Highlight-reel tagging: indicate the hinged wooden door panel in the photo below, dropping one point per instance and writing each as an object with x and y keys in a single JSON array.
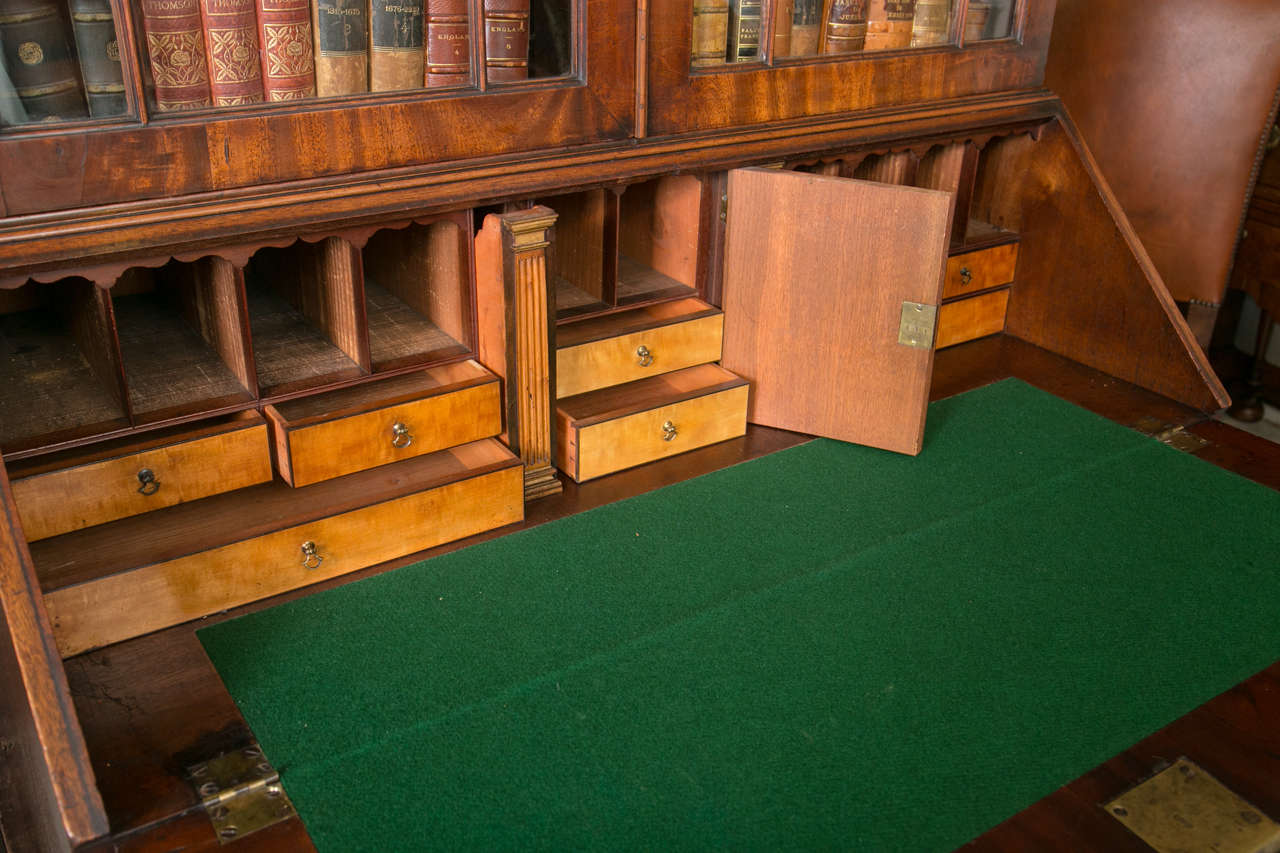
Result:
[
  {"x": 47, "y": 792},
  {"x": 822, "y": 281}
]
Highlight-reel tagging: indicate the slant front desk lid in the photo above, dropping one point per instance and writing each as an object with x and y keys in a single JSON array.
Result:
[{"x": 822, "y": 276}]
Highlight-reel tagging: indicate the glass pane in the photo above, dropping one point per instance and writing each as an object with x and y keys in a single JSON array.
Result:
[
  {"x": 59, "y": 62},
  {"x": 988, "y": 19},
  {"x": 801, "y": 27},
  {"x": 727, "y": 31},
  {"x": 524, "y": 40}
]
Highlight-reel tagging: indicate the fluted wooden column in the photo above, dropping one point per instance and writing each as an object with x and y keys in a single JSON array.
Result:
[{"x": 516, "y": 324}]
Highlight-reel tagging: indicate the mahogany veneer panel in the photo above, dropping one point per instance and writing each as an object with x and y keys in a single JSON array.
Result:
[
  {"x": 816, "y": 273},
  {"x": 49, "y": 798}
]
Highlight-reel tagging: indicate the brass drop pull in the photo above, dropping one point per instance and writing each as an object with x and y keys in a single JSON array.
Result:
[
  {"x": 668, "y": 431},
  {"x": 150, "y": 485},
  {"x": 400, "y": 437},
  {"x": 310, "y": 559},
  {"x": 643, "y": 356},
  {"x": 966, "y": 276}
]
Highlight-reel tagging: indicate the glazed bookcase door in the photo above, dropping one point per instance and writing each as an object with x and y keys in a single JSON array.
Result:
[
  {"x": 574, "y": 85},
  {"x": 747, "y": 66}
]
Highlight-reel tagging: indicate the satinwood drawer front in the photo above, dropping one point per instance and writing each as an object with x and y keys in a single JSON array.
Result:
[
  {"x": 980, "y": 270},
  {"x": 630, "y": 345},
  {"x": 95, "y": 485},
  {"x": 975, "y": 317},
  {"x": 271, "y": 540},
  {"x": 330, "y": 435},
  {"x": 615, "y": 428}
]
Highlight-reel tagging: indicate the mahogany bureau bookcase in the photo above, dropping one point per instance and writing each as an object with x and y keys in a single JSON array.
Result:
[{"x": 250, "y": 345}]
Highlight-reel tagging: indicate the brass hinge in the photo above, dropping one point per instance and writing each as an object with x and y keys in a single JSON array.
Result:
[
  {"x": 916, "y": 327},
  {"x": 241, "y": 793},
  {"x": 1173, "y": 435}
]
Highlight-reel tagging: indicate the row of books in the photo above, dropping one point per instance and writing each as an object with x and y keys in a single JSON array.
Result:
[
  {"x": 731, "y": 30},
  {"x": 233, "y": 52},
  {"x": 47, "y": 73}
]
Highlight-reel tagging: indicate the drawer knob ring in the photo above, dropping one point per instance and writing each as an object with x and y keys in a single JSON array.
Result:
[
  {"x": 400, "y": 437},
  {"x": 668, "y": 431},
  {"x": 643, "y": 356},
  {"x": 966, "y": 276},
  {"x": 150, "y": 485},
  {"x": 310, "y": 558}
]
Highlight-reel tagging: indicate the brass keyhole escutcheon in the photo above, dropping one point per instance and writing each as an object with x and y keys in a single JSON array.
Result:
[
  {"x": 311, "y": 559},
  {"x": 150, "y": 485},
  {"x": 400, "y": 437},
  {"x": 966, "y": 276},
  {"x": 643, "y": 357},
  {"x": 668, "y": 431}
]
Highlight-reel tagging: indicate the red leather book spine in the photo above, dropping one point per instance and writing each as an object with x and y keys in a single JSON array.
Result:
[
  {"x": 448, "y": 43},
  {"x": 231, "y": 46},
  {"x": 288, "y": 59},
  {"x": 175, "y": 46},
  {"x": 506, "y": 40}
]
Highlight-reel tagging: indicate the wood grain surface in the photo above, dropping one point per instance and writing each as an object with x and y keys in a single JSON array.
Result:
[
  {"x": 986, "y": 268},
  {"x": 127, "y": 604},
  {"x": 615, "y": 360},
  {"x": 972, "y": 317},
  {"x": 816, "y": 272},
  {"x": 96, "y": 491}
]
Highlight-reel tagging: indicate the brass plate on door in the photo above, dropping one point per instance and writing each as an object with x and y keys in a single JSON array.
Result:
[
  {"x": 1184, "y": 808},
  {"x": 917, "y": 325}
]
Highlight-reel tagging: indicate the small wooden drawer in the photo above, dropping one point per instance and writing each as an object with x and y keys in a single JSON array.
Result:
[
  {"x": 330, "y": 435},
  {"x": 980, "y": 270},
  {"x": 967, "y": 319},
  {"x": 631, "y": 345},
  {"x": 93, "y": 485},
  {"x": 141, "y": 574},
  {"x": 615, "y": 428}
]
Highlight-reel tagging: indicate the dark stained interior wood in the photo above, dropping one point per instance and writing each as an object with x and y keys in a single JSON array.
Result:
[
  {"x": 59, "y": 375},
  {"x": 1087, "y": 291},
  {"x": 659, "y": 227},
  {"x": 626, "y": 322},
  {"x": 49, "y": 798}
]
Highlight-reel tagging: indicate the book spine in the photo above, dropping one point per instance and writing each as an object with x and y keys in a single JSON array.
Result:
[
  {"x": 806, "y": 19},
  {"x": 506, "y": 40},
  {"x": 448, "y": 39},
  {"x": 175, "y": 46},
  {"x": 932, "y": 23},
  {"x": 231, "y": 48},
  {"x": 99, "y": 52},
  {"x": 288, "y": 58},
  {"x": 889, "y": 24},
  {"x": 342, "y": 47},
  {"x": 782, "y": 28},
  {"x": 395, "y": 45},
  {"x": 710, "y": 31},
  {"x": 37, "y": 54},
  {"x": 846, "y": 30},
  {"x": 745, "y": 23},
  {"x": 975, "y": 20}
]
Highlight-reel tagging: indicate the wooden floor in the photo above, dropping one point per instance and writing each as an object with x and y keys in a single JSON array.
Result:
[{"x": 154, "y": 705}]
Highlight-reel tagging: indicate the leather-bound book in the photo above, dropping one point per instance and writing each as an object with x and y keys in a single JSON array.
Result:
[
  {"x": 846, "y": 26},
  {"x": 448, "y": 39},
  {"x": 175, "y": 46},
  {"x": 710, "y": 32},
  {"x": 395, "y": 45},
  {"x": 506, "y": 40},
  {"x": 806, "y": 25},
  {"x": 38, "y": 57},
  {"x": 782, "y": 27},
  {"x": 889, "y": 24},
  {"x": 288, "y": 55},
  {"x": 975, "y": 20},
  {"x": 99, "y": 53},
  {"x": 932, "y": 23},
  {"x": 342, "y": 47},
  {"x": 231, "y": 47},
  {"x": 745, "y": 23}
]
